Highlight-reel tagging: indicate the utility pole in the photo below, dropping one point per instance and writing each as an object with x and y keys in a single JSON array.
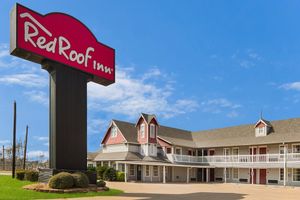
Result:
[
  {"x": 25, "y": 148},
  {"x": 14, "y": 141},
  {"x": 3, "y": 157}
]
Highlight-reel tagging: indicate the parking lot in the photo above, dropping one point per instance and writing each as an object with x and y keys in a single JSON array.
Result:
[{"x": 152, "y": 191}]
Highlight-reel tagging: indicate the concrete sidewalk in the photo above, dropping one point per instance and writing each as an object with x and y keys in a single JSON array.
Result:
[{"x": 139, "y": 191}]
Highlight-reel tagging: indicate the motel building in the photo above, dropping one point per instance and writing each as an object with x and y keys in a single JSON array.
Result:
[{"x": 267, "y": 152}]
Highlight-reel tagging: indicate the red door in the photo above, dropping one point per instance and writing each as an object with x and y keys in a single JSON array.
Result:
[
  {"x": 254, "y": 176},
  {"x": 262, "y": 176}
]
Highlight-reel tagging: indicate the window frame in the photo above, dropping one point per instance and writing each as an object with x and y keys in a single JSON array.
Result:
[
  {"x": 179, "y": 149},
  {"x": 279, "y": 178},
  {"x": 152, "y": 130},
  {"x": 296, "y": 144},
  {"x": 147, "y": 166},
  {"x": 133, "y": 168},
  {"x": 155, "y": 166},
  {"x": 142, "y": 130},
  {"x": 114, "y": 132},
  {"x": 233, "y": 178},
  {"x": 294, "y": 174}
]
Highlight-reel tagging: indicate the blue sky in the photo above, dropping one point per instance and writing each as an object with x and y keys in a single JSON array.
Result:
[{"x": 196, "y": 65}]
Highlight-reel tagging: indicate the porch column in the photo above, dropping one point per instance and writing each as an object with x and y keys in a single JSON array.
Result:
[
  {"x": 207, "y": 175},
  {"x": 225, "y": 173},
  {"x": 117, "y": 166},
  {"x": 164, "y": 174},
  {"x": 125, "y": 165},
  {"x": 187, "y": 175},
  {"x": 109, "y": 163},
  {"x": 284, "y": 167}
]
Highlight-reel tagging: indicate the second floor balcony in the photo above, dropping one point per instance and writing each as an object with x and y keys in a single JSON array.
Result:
[{"x": 262, "y": 160}]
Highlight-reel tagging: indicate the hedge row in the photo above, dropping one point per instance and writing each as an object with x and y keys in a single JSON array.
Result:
[
  {"x": 28, "y": 175},
  {"x": 109, "y": 174}
]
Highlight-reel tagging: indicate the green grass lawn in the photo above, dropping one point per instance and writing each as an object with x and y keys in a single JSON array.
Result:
[{"x": 12, "y": 189}]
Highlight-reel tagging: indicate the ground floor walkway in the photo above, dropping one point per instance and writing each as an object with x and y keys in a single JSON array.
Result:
[{"x": 203, "y": 191}]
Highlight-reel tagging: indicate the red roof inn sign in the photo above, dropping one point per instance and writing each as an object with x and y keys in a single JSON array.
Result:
[
  {"x": 61, "y": 38},
  {"x": 72, "y": 55}
]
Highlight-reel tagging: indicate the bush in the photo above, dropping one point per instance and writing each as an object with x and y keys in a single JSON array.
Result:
[
  {"x": 31, "y": 175},
  {"x": 110, "y": 174},
  {"x": 101, "y": 183},
  {"x": 62, "y": 180},
  {"x": 100, "y": 171},
  {"x": 20, "y": 174},
  {"x": 120, "y": 176},
  {"x": 91, "y": 169},
  {"x": 80, "y": 180}
]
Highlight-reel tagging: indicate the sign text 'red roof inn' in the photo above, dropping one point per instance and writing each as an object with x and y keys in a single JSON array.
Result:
[{"x": 61, "y": 38}]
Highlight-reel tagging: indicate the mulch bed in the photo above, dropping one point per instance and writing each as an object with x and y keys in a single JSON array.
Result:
[{"x": 43, "y": 187}]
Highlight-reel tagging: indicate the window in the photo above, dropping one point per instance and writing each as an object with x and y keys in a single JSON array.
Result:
[
  {"x": 152, "y": 130},
  {"x": 147, "y": 170},
  {"x": 235, "y": 173},
  {"x": 142, "y": 130},
  {"x": 296, "y": 148},
  {"x": 178, "y": 151},
  {"x": 227, "y": 173},
  {"x": 152, "y": 148},
  {"x": 260, "y": 131},
  {"x": 226, "y": 152},
  {"x": 235, "y": 151},
  {"x": 281, "y": 149},
  {"x": 296, "y": 174},
  {"x": 155, "y": 170},
  {"x": 131, "y": 170},
  {"x": 169, "y": 150},
  {"x": 114, "y": 132},
  {"x": 189, "y": 152},
  {"x": 281, "y": 174}
]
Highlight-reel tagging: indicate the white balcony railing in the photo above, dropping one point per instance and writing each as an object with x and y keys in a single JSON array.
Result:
[{"x": 263, "y": 158}]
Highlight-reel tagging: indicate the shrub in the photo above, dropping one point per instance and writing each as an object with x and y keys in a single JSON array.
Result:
[
  {"x": 101, "y": 183},
  {"x": 31, "y": 175},
  {"x": 120, "y": 176},
  {"x": 62, "y": 180},
  {"x": 110, "y": 174},
  {"x": 80, "y": 180},
  {"x": 100, "y": 171},
  {"x": 91, "y": 169},
  {"x": 20, "y": 174}
]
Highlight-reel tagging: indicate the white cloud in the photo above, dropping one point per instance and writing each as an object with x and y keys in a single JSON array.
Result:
[
  {"x": 247, "y": 58},
  {"x": 291, "y": 86},
  {"x": 4, "y": 142},
  {"x": 220, "y": 105},
  {"x": 130, "y": 96},
  {"x": 38, "y": 155},
  {"x": 38, "y": 96},
  {"x": 41, "y": 138},
  {"x": 25, "y": 80},
  {"x": 96, "y": 125}
]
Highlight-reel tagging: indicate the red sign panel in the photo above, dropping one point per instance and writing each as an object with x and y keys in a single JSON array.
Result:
[{"x": 61, "y": 38}]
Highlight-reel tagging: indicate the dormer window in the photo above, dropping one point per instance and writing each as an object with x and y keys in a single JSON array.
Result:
[
  {"x": 142, "y": 130},
  {"x": 261, "y": 131},
  {"x": 152, "y": 130},
  {"x": 263, "y": 128},
  {"x": 114, "y": 132}
]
